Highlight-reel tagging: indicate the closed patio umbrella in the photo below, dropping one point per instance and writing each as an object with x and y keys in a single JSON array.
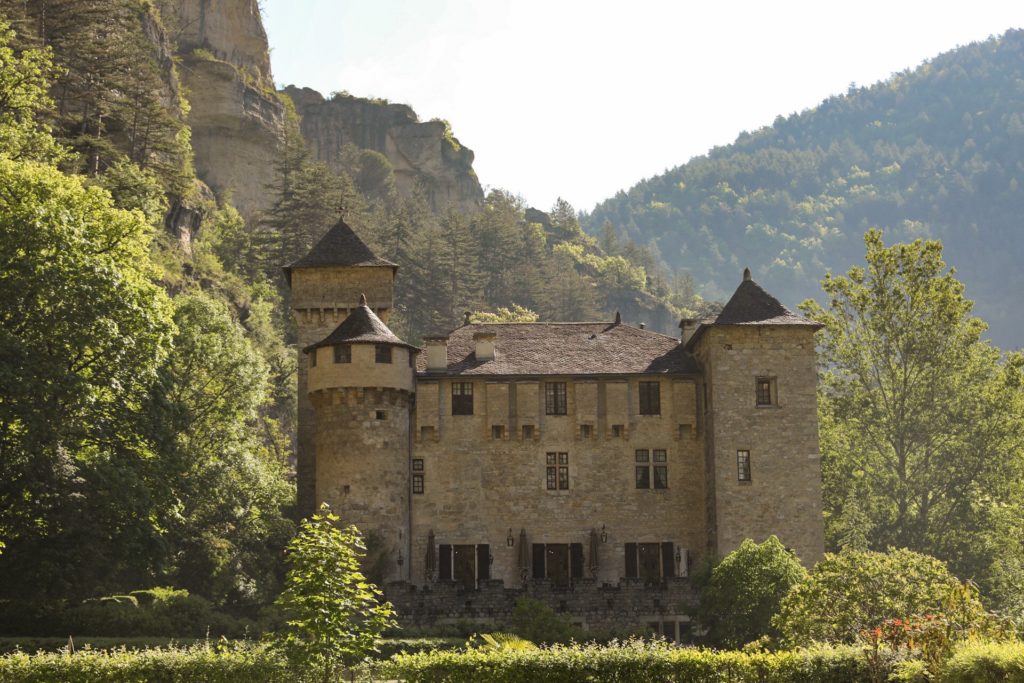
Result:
[
  {"x": 594, "y": 540},
  {"x": 431, "y": 556},
  {"x": 524, "y": 555}
]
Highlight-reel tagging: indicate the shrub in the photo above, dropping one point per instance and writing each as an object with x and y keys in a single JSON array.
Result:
[
  {"x": 858, "y": 590},
  {"x": 536, "y": 622},
  {"x": 335, "y": 616},
  {"x": 744, "y": 591}
]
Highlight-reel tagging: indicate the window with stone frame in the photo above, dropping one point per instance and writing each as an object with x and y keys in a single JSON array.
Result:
[
  {"x": 651, "y": 468},
  {"x": 417, "y": 475},
  {"x": 383, "y": 353},
  {"x": 497, "y": 431},
  {"x": 765, "y": 392},
  {"x": 555, "y": 401},
  {"x": 586, "y": 431},
  {"x": 343, "y": 353},
  {"x": 743, "y": 466},
  {"x": 462, "y": 398},
  {"x": 650, "y": 398},
  {"x": 556, "y": 471},
  {"x": 527, "y": 431}
]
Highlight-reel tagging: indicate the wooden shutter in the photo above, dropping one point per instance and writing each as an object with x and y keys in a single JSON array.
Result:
[
  {"x": 538, "y": 560},
  {"x": 576, "y": 560},
  {"x": 483, "y": 562},
  {"x": 631, "y": 563},
  {"x": 668, "y": 560},
  {"x": 445, "y": 563}
]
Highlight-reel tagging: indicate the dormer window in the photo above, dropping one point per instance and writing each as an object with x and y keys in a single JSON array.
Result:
[
  {"x": 383, "y": 353},
  {"x": 342, "y": 353}
]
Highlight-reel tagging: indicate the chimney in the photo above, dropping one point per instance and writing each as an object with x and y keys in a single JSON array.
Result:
[
  {"x": 437, "y": 353},
  {"x": 484, "y": 345},
  {"x": 688, "y": 327}
]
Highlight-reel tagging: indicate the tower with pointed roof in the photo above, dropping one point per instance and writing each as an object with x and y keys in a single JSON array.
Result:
[
  {"x": 360, "y": 385},
  {"x": 325, "y": 287},
  {"x": 763, "y": 471}
]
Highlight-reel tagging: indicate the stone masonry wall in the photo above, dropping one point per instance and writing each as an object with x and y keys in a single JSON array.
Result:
[
  {"x": 362, "y": 463},
  {"x": 625, "y": 605},
  {"x": 784, "y": 494},
  {"x": 478, "y": 487}
]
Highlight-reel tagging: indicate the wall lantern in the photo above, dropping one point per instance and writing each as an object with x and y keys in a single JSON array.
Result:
[
  {"x": 604, "y": 534},
  {"x": 510, "y": 539}
]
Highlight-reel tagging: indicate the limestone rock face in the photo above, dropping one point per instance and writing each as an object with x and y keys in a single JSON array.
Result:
[
  {"x": 236, "y": 130},
  {"x": 236, "y": 118},
  {"x": 423, "y": 153},
  {"x": 230, "y": 29}
]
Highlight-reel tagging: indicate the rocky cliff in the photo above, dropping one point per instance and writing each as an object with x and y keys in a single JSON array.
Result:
[
  {"x": 421, "y": 153},
  {"x": 236, "y": 117}
]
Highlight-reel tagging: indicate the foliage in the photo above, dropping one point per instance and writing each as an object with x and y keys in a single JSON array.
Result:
[
  {"x": 82, "y": 334},
  {"x": 208, "y": 402},
  {"x": 534, "y": 621},
  {"x": 24, "y": 101},
  {"x": 856, "y": 590},
  {"x": 985, "y": 662},
  {"x": 334, "y": 615},
  {"x": 744, "y": 591},
  {"x": 221, "y": 663},
  {"x": 931, "y": 152},
  {"x": 117, "y": 94},
  {"x": 515, "y": 314},
  {"x": 632, "y": 660},
  {"x": 920, "y": 418}
]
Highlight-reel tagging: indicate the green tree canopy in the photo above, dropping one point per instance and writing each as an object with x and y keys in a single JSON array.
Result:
[
  {"x": 920, "y": 418},
  {"x": 744, "y": 591},
  {"x": 82, "y": 334}
]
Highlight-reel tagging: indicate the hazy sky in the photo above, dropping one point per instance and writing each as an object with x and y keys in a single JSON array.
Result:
[{"x": 580, "y": 99}]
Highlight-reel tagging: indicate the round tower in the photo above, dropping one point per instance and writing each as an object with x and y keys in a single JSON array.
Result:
[
  {"x": 325, "y": 286},
  {"x": 360, "y": 385}
]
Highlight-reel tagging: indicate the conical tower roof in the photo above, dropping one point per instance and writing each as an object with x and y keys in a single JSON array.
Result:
[
  {"x": 362, "y": 326},
  {"x": 340, "y": 246},
  {"x": 750, "y": 304}
]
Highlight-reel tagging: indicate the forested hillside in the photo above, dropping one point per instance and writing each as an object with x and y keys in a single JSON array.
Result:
[{"x": 937, "y": 151}]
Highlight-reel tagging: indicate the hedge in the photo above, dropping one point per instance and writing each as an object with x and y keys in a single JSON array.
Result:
[
  {"x": 632, "y": 661},
  {"x": 207, "y": 664},
  {"x": 985, "y": 662}
]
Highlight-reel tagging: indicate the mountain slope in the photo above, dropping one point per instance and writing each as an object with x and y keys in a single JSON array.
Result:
[{"x": 934, "y": 152}]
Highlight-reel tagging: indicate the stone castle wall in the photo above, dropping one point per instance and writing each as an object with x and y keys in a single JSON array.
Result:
[
  {"x": 478, "y": 486},
  {"x": 361, "y": 441},
  {"x": 590, "y": 604},
  {"x": 783, "y": 496}
]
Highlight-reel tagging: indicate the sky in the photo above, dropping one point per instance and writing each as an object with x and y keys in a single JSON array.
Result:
[{"x": 580, "y": 99}]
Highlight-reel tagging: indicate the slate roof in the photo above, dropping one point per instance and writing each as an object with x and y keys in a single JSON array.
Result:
[
  {"x": 362, "y": 326},
  {"x": 564, "y": 349},
  {"x": 752, "y": 305},
  {"x": 340, "y": 246}
]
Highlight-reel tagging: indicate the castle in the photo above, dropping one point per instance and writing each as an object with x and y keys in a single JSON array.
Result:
[{"x": 590, "y": 464}]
